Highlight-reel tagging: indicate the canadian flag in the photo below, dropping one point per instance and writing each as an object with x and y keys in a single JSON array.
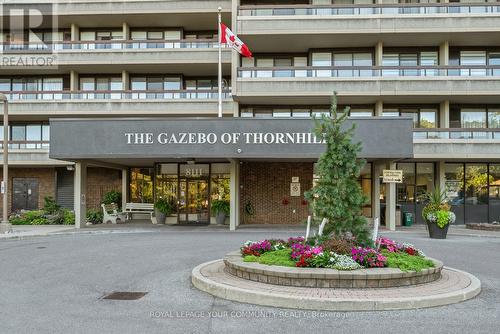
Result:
[{"x": 233, "y": 41}]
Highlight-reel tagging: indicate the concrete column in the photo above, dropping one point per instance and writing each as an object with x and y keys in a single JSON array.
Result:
[
  {"x": 75, "y": 32},
  {"x": 379, "y": 108},
  {"x": 376, "y": 190},
  {"x": 444, "y": 53},
  {"x": 234, "y": 193},
  {"x": 125, "y": 80},
  {"x": 73, "y": 81},
  {"x": 126, "y": 31},
  {"x": 379, "y": 53},
  {"x": 441, "y": 176},
  {"x": 444, "y": 114},
  {"x": 390, "y": 202},
  {"x": 236, "y": 109},
  {"x": 124, "y": 188},
  {"x": 80, "y": 175}
]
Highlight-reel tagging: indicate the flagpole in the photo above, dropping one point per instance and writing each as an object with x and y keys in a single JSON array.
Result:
[{"x": 220, "y": 63}]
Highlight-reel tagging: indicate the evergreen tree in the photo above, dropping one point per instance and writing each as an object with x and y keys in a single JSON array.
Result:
[{"x": 337, "y": 194}]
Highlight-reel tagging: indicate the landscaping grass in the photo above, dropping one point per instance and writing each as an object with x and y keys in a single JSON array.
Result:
[
  {"x": 275, "y": 258},
  {"x": 406, "y": 262}
]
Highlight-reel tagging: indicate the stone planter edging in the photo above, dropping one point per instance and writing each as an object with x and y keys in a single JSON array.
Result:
[{"x": 328, "y": 278}]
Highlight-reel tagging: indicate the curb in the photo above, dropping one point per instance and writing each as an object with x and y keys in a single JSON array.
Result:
[{"x": 235, "y": 293}]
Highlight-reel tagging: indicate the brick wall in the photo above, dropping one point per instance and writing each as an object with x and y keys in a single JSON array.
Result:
[
  {"x": 266, "y": 184},
  {"x": 99, "y": 182},
  {"x": 46, "y": 182}
]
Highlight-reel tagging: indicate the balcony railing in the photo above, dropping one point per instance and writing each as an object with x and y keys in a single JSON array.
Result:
[
  {"x": 117, "y": 95},
  {"x": 27, "y": 144},
  {"x": 459, "y": 133},
  {"x": 369, "y": 9},
  {"x": 108, "y": 45},
  {"x": 367, "y": 71}
]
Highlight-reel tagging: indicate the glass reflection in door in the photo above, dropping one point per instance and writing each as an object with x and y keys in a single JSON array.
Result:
[{"x": 194, "y": 194}]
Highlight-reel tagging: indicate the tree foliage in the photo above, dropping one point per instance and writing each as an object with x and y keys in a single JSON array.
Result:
[{"x": 337, "y": 195}]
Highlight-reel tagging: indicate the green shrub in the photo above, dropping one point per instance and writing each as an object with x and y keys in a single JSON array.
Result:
[
  {"x": 274, "y": 258},
  {"x": 250, "y": 258},
  {"x": 69, "y": 217},
  {"x": 407, "y": 262},
  {"x": 94, "y": 216},
  {"x": 220, "y": 205},
  {"x": 32, "y": 215},
  {"x": 277, "y": 258},
  {"x": 39, "y": 221},
  {"x": 18, "y": 220},
  {"x": 112, "y": 196},
  {"x": 164, "y": 206},
  {"x": 50, "y": 205}
]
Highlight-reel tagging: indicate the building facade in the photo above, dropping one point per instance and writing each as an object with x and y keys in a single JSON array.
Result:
[{"x": 122, "y": 95}]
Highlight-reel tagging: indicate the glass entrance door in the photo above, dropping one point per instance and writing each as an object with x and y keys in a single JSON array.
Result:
[{"x": 194, "y": 196}]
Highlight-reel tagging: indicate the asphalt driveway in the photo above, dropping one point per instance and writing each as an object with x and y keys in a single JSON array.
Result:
[{"x": 55, "y": 284}]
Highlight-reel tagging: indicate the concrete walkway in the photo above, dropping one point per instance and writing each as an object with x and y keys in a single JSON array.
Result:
[
  {"x": 138, "y": 226},
  {"x": 23, "y": 231},
  {"x": 454, "y": 286}
]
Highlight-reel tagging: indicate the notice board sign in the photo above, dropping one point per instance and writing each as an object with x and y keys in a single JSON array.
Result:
[{"x": 392, "y": 176}]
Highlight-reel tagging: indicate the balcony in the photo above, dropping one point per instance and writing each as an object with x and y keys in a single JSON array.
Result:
[
  {"x": 337, "y": 24},
  {"x": 96, "y": 7},
  {"x": 32, "y": 153},
  {"x": 456, "y": 143},
  {"x": 179, "y": 102},
  {"x": 196, "y": 53},
  {"x": 315, "y": 84}
]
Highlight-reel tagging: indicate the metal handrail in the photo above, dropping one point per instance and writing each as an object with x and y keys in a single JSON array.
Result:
[
  {"x": 27, "y": 144},
  {"x": 110, "y": 44},
  {"x": 457, "y": 133},
  {"x": 367, "y": 71},
  {"x": 368, "y": 9},
  {"x": 115, "y": 95}
]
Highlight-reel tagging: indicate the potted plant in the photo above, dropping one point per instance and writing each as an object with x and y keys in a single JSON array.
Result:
[
  {"x": 437, "y": 213},
  {"x": 163, "y": 208},
  {"x": 221, "y": 209}
]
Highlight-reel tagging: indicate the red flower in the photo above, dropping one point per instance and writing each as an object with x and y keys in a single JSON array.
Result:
[
  {"x": 303, "y": 261},
  {"x": 411, "y": 251}
]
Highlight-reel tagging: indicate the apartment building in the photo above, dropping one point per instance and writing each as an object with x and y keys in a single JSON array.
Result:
[{"x": 128, "y": 102}]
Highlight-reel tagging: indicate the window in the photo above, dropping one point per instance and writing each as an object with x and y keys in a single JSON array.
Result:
[
  {"x": 159, "y": 83},
  {"x": 27, "y": 132},
  {"x": 422, "y": 117},
  {"x": 409, "y": 59},
  {"x": 220, "y": 176},
  {"x": 494, "y": 118},
  {"x": 473, "y": 58},
  {"x": 427, "y": 118},
  {"x": 167, "y": 184},
  {"x": 141, "y": 185},
  {"x": 365, "y": 180},
  {"x": 360, "y": 112},
  {"x": 473, "y": 118}
]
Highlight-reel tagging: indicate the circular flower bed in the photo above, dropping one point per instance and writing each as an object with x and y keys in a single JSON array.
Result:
[{"x": 340, "y": 254}]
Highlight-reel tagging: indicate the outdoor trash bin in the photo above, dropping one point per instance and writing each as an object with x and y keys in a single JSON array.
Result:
[{"x": 407, "y": 218}]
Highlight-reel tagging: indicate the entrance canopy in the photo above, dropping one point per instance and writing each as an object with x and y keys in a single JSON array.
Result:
[{"x": 124, "y": 140}]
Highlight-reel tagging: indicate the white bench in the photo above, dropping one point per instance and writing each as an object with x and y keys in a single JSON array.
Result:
[
  {"x": 111, "y": 215},
  {"x": 147, "y": 208}
]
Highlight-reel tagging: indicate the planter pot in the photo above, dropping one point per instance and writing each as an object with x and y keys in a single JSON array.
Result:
[
  {"x": 160, "y": 217},
  {"x": 220, "y": 218},
  {"x": 435, "y": 232}
]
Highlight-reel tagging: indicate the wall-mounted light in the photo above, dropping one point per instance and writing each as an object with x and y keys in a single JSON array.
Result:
[{"x": 70, "y": 168}]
